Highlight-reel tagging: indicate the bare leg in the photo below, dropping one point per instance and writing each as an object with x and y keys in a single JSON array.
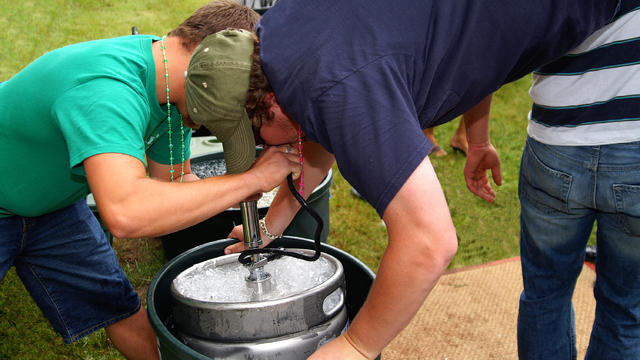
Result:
[
  {"x": 134, "y": 337},
  {"x": 459, "y": 139},
  {"x": 437, "y": 150}
]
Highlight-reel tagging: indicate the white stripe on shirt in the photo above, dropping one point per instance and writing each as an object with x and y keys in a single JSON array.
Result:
[
  {"x": 625, "y": 28},
  {"x": 588, "y": 88},
  {"x": 585, "y": 135}
]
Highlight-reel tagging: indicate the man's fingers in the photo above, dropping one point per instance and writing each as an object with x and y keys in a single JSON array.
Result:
[
  {"x": 483, "y": 190},
  {"x": 237, "y": 247},
  {"x": 295, "y": 173},
  {"x": 497, "y": 177},
  {"x": 490, "y": 195},
  {"x": 288, "y": 149}
]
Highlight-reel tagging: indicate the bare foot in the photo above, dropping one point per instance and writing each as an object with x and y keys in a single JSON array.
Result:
[
  {"x": 459, "y": 140},
  {"x": 459, "y": 144},
  {"x": 438, "y": 151}
]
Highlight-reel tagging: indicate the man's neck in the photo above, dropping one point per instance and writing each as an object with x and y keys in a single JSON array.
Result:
[{"x": 177, "y": 63}]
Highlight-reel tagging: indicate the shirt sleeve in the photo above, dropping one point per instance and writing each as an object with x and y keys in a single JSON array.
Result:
[
  {"x": 101, "y": 116},
  {"x": 370, "y": 123}
]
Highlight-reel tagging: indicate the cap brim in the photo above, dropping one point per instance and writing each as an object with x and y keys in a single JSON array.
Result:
[{"x": 240, "y": 149}]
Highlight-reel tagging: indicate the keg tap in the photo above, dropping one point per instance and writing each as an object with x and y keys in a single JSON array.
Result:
[
  {"x": 254, "y": 257},
  {"x": 258, "y": 279}
]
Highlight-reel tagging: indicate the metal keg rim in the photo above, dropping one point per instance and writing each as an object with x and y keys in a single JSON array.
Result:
[
  {"x": 327, "y": 286},
  {"x": 283, "y": 346}
]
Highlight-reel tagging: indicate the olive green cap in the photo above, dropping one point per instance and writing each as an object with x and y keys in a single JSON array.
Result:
[{"x": 216, "y": 89}]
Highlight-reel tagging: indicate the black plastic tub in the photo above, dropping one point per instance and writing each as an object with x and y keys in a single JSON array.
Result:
[{"x": 358, "y": 279}]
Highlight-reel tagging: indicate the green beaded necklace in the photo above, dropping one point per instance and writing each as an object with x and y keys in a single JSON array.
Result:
[{"x": 166, "y": 82}]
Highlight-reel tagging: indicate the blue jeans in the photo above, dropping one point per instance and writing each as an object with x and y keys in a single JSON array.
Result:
[
  {"x": 563, "y": 190},
  {"x": 66, "y": 263}
]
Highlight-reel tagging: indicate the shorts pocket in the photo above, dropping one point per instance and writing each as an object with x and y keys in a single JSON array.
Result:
[{"x": 628, "y": 207}]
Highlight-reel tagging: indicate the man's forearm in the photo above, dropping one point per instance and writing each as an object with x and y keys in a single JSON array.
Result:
[
  {"x": 476, "y": 122},
  {"x": 422, "y": 242}
]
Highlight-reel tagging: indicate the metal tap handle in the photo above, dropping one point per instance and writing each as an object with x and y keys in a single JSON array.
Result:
[
  {"x": 248, "y": 256},
  {"x": 252, "y": 238}
]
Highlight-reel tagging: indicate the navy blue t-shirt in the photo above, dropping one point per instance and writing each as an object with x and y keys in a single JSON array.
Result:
[{"x": 364, "y": 77}]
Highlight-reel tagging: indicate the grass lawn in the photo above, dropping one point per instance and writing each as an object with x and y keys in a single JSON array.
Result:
[{"x": 487, "y": 232}]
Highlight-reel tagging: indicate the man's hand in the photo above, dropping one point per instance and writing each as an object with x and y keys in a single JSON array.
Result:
[
  {"x": 480, "y": 158},
  {"x": 238, "y": 233},
  {"x": 274, "y": 164},
  {"x": 339, "y": 348}
]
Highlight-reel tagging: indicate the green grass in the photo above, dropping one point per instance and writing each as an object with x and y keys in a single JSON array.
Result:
[
  {"x": 487, "y": 232},
  {"x": 31, "y": 28}
]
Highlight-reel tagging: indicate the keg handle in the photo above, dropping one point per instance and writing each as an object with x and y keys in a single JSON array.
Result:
[{"x": 245, "y": 256}]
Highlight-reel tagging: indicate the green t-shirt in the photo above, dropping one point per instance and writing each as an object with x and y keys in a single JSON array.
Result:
[{"x": 72, "y": 103}]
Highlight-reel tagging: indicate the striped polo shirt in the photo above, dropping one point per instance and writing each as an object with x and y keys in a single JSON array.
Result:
[{"x": 591, "y": 96}]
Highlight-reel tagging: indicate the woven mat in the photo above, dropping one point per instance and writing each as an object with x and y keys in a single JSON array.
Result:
[{"x": 472, "y": 313}]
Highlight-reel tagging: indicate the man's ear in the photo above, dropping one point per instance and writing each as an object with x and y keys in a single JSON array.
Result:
[{"x": 270, "y": 98}]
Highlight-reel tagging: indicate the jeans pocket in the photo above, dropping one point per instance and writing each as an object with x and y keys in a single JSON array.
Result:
[
  {"x": 628, "y": 207},
  {"x": 546, "y": 188}
]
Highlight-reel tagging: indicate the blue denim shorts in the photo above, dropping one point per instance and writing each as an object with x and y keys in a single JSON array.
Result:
[{"x": 66, "y": 263}]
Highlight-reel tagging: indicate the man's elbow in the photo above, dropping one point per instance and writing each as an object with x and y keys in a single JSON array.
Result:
[
  {"x": 445, "y": 250},
  {"x": 450, "y": 249},
  {"x": 439, "y": 252},
  {"x": 121, "y": 225}
]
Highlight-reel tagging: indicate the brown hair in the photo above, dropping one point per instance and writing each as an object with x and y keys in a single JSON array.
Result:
[
  {"x": 216, "y": 16},
  {"x": 258, "y": 87}
]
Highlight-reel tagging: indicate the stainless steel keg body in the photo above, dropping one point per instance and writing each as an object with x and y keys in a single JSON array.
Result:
[{"x": 290, "y": 327}]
